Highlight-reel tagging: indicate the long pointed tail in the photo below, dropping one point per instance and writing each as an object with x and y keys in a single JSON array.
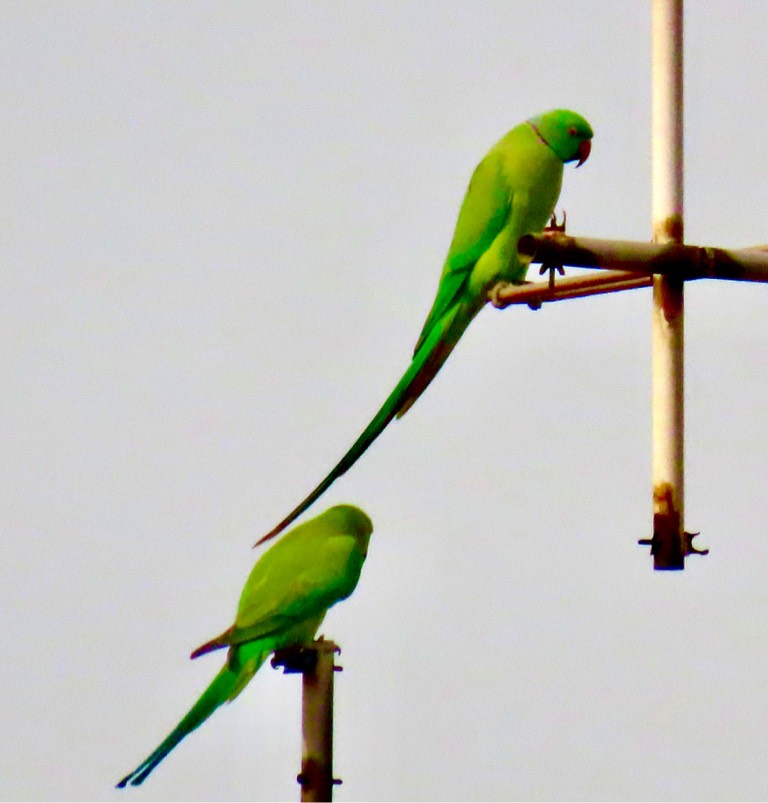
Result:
[
  {"x": 426, "y": 362},
  {"x": 226, "y": 685}
]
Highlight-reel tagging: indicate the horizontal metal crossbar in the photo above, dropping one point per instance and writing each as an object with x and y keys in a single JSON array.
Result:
[
  {"x": 684, "y": 262},
  {"x": 534, "y": 294}
]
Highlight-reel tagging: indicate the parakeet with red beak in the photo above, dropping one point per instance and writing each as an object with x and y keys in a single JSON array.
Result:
[{"x": 513, "y": 192}]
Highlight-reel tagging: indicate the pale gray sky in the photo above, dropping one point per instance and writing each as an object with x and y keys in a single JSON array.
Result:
[{"x": 221, "y": 228}]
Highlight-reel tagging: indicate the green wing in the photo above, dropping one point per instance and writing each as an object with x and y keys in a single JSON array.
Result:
[
  {"x": 311, "y": 568},
  {"x": 482, "y": 216},
  {"x": 302, "y": 580}
]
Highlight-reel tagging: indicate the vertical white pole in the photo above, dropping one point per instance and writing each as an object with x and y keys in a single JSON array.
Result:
[{"x": 669, "y": 545}]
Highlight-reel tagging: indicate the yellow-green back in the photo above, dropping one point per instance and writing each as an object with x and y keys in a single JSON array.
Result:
[{"x": 311, "y": 568}]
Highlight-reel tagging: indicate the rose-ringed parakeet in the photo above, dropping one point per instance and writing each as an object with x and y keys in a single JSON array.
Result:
[
  {"x": 284, "y": 600},
  {"x": 513, "y": 192}
]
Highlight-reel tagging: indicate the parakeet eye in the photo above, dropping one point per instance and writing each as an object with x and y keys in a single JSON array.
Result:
[{"x": 572, "y": 131}]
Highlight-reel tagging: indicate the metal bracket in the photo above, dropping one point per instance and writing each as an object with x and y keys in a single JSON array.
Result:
[
  {"x": 301, "y": 659},
  {"x": 296, "y": 660},
  {"x": 666, "y": 551}
]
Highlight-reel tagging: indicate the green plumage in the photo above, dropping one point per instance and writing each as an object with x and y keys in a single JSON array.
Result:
[
  {"x": 513, "y": 192},
  {"x": 283, "y": 603}
]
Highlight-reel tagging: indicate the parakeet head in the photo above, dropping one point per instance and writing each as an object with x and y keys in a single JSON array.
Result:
[
  {"x": 350, "y": 519},
  {"x": 567, "y": 133}
]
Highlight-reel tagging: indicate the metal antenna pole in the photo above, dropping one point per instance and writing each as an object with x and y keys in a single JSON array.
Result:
[
  {"x": 316, "y": 664},
  {"x": 316, "y": 777},
  {"x": 669, "y": 541}
]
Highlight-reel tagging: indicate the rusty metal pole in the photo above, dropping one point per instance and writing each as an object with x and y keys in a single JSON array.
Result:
[
  {"x": 316, "y": 776},
  {"x": 669, "y": 543},
  {"x": 686, "y": 262},
  {"x": 315, "y": 662}
]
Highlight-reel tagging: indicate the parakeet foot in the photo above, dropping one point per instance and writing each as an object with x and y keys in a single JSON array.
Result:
[
  {"x": 495, "y": 294},
  {"x": 299, "y": 659},
  {"x": 557, "y": 228}
]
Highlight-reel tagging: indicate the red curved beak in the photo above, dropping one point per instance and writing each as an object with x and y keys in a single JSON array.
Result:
[{"x": 584, "y": 150}]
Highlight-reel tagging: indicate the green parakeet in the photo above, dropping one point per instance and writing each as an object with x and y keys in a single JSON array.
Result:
[
  {"x": 513, "y": 192},
  {"x": 283, "y": 603}
]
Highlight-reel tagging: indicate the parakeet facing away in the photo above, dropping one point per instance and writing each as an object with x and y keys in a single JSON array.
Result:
[
  {"x": 513, "y": 192},
  {"x": 283, "y": 603}
]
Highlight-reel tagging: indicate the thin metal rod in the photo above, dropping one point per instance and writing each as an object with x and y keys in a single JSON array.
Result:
[
  {"x": 669, "y": 545},
  {"x": 537, "y": 293},
  {"x": 678, "y": 261},
  {"x": 316, "y": 777}
]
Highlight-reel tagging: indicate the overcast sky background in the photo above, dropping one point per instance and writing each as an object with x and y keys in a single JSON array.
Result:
[{"x": 221, "y": 229}]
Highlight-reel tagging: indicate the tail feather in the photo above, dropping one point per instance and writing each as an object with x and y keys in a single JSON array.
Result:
[
  {"x": 426, "y": 362},
  {"x": 225, "y": 686},
  {"x": 434, "y": 362},
  {"x": 217, "y": 643}
]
